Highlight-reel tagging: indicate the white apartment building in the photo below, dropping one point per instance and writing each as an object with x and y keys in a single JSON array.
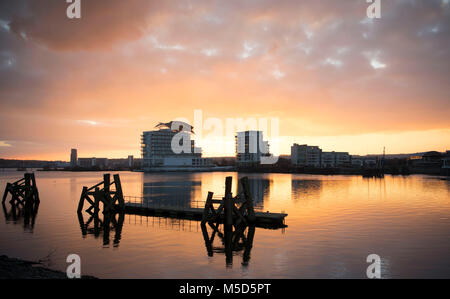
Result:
[
  {"x": 335, "y": 159},
  {"x": 446, "y": 160},
  {"x": 250, "y": 147},
  {"x": 305, "y": 155},
  {"x": 328, "y": 159},
  {"x": 157, "y": 150}
]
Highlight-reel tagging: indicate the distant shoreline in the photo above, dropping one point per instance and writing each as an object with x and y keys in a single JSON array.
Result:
[
  {"x": 281, "y": 170},
  {"x": 258, "y": 169}
]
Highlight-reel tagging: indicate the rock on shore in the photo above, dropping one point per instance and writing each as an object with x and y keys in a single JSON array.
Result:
[{"x": 11, "y": 268}]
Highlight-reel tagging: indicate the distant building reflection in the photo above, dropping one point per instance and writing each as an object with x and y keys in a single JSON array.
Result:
[
  {"x": 171, "y": 192},
  {"x": 74, "y": 187},
  {"x": 302, "y": 189},
  {"x": 259, "y": 188}
]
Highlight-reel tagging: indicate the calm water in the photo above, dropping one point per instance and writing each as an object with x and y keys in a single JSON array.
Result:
[{"x": 334, "y": 223}]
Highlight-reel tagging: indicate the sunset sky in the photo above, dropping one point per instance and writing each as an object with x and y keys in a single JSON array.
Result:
[{"x": 333, "y": 77}]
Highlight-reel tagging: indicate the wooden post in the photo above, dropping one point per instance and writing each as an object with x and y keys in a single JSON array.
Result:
[
  {"x": 118, "y": 228},
  {"x": 208, "y": 241},
  {"x": 119, "y": 193},
  {"x": 228, "y": 221},
  {"x": 228, "y": 202},
  {"x": 97, "y": 195},
  {"x": 248, "y": 200},
  {"x": 35, "y": 189},
  {"x": 82, "y": 224},
  {"x": 81, "y": 203},
  {"x": 107, "y": 184},
  {"x": 96, "y": 210},
  {"x": 106, "y": 227},
  {"x": 208, "y": 206},
  {"x": 248, "y": 245},
  {"x": 28, "y": 194},
  {"x": 5, "y": 195}
]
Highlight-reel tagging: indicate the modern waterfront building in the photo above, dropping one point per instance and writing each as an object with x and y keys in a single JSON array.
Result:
[
  {"x": 93, "y": 162},
  {"x": 343, "y": 159},
  {"x": 130, "y": 161},
  {"x": 312, "y": 156},
  {"x": 73, "y": 158},
  {"x": 157, "y": 150},
  {"x": 250, "y": 148},
  {"x": 328, "y": 160},
  {"x": 305, "y": 155},
  {"x": 357, "y": 161},
  {"x": 446, "y": 160}
]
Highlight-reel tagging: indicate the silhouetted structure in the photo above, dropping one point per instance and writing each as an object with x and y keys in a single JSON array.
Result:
[
  {"x": 240, "y": 208},
  {"x": 112, "y": 200},
  {"x": 250, "y": 148},
  {"x": 23, "y": 191},
  {"x": 113, "y": 205},
  {"x": 237, "y": 240},
  {"x": 236, "y": 220},
  {"x": 158, "y": 152},
  {"x": 73, "y": 158},
  {"x": 24, "y": 200},
  {"x": 111, "y": 221}
]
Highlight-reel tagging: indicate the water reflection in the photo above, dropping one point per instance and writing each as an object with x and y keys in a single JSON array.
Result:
[
  {"x": 110, "y": 221},
  {"x": 187, "y": 189},
  {"x": 259, "y": 188},
  {"x": 231, "y": 241},
  {"x": 17, "y": 212},
  {"x": 175, "y": 192},
  {"x": 306, "y": 188}
]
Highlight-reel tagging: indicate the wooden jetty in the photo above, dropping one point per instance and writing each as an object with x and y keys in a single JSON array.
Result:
[
  {"x": 240, "y": 207},
  {"x": 232, "y": 210},
  {"x": 265, "y": 220}
]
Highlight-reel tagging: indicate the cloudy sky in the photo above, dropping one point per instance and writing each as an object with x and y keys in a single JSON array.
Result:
[{"x": 332, "y": 77}]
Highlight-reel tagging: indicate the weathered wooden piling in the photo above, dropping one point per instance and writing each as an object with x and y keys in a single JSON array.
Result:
[
  {"x": 233, "y": 213},
  {"x": 23, "y": 192},
  {"x": 112, "y": 200},
  {"x": 240, "y": 210},
  {"x": 247, "y": 206},
  {"x": 113, "y": 204}
]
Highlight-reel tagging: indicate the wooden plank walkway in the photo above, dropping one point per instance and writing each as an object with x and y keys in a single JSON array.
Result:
[{"x": 264, "y": 220}]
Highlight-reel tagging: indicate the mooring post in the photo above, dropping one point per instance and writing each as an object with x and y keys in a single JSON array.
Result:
[
  {"x": 96, "y": 210},
  {"x": 97, "y": 195},
  {"x": 248, "y": 200},
  {"x": 118, "y": 227},
  {"x": 82, "y": 197},
  {"x": 208, "y": 205},
  {"x": 106, "y": 227},
  {"x": 228, "y": 202},
  {"x": 5, "y": 195},
  {"x": 248, "y": 244},
  {"x": 208, "y": 241},
  {"x": 228, "y": 220},
  {"x": 35, "y": 189},
  {"x": 28, "y": 192},
  {"x": 119, "y": 193},
  {"x": 106, "y": 184}
]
